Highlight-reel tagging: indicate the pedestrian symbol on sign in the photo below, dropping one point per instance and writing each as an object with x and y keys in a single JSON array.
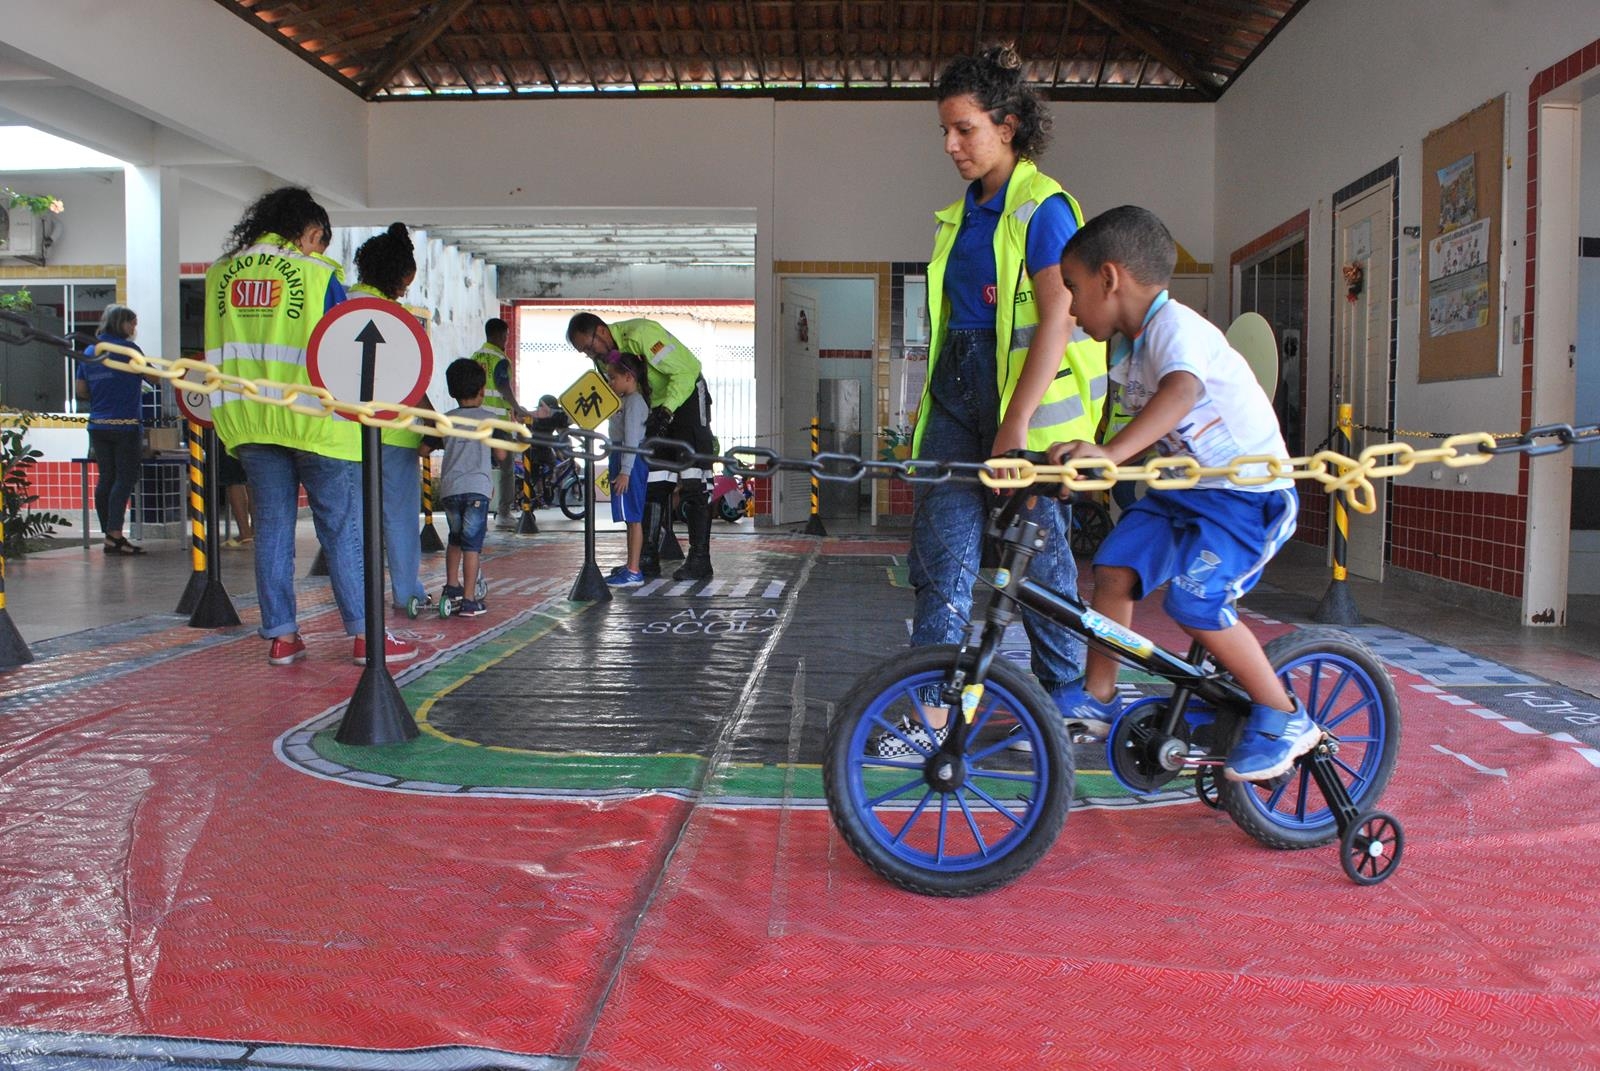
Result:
[{"x": 590, "y": 400}]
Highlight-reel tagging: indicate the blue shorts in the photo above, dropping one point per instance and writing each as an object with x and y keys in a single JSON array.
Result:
[
  {"x": 1209, "y": 544},
  {"x": 468, "y": 518},
  {"x": 629, "y": 507}
]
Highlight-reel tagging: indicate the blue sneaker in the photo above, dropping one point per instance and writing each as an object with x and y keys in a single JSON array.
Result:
[
  {"x": 1086, "y": 717},
  {"x": 1271, "y": 741},
  {"x": 471, "y": 608},
  {"x": 627, "y": 578}
]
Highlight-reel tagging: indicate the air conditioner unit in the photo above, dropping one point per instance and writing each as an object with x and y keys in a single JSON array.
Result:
[{"x": 21, "y": 233}]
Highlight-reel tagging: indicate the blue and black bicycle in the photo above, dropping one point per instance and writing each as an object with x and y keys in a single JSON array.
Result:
[{"x": 949, "y": 771}]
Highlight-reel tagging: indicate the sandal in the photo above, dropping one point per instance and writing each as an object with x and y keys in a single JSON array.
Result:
[{"x": 120, "y": 545}]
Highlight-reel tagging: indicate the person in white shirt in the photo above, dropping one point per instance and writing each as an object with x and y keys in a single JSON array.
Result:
[{"x": 1190, "y": 395}]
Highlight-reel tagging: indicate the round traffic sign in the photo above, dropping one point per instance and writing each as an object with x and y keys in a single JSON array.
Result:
[
  {"x": 196, "y": 404},
  {"x": 370, "y": 349}
]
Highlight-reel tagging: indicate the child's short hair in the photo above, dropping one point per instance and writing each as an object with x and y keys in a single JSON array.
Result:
[
  {"x": 464, "y": 378},
  {"x": 1130, "y": 236}
]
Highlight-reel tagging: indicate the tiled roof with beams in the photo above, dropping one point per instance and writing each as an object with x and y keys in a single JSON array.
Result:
[{"x": 1179, "y": 50}]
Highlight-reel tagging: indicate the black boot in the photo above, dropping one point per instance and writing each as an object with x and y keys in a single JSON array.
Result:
[
  {"x": 697, "y": 566},
  {"x": 669, "y": 549},
  {"x": 655, "y": 512}
]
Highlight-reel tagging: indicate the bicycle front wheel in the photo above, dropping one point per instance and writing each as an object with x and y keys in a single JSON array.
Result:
[{"x": 929, "y": 822}]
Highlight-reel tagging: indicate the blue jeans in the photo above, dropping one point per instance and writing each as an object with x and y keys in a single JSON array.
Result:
[
  {"x": 947, "y": 532},
  {"x": 468, "y": 518},
  {"x": 275, "y": 475},
  {"x": 402, "y": 525},
  {"x": 118, "y": 455}
]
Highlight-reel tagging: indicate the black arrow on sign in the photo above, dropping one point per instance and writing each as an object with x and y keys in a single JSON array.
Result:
[{"x": 369, "y": 339}]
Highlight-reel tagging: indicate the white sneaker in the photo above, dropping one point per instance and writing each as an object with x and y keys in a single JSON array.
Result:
[{"x": 890, "y": 746}]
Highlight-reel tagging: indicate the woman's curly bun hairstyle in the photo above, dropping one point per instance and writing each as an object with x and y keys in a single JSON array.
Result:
[
  {"x": 386, "y": 261},
  {"x": 994, "y": 79}
]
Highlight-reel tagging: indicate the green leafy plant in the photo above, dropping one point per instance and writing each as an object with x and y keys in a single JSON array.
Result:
[
  {"x": 37, "y": 203},
  {"x": 25, "y": 528},
  {"x": 20, "y": 300}
]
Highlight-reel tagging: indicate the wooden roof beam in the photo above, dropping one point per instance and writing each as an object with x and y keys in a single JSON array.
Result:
[
  {"x": 426, "y": 30},
  {"x": 572, "y": 32},
  {"x": 1153, "y": 45}
]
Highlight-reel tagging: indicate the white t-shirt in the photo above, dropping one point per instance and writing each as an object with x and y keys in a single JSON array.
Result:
[{"x": 1233, "y": 416}]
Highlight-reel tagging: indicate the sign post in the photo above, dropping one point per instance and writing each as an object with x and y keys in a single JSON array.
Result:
[
  {"x": 205, "y": 599},
  {"x": 344, "y": 358},
  {"x": 589, "y": 401}
]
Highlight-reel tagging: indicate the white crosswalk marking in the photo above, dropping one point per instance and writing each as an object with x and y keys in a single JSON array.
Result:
[
  {"x": 712, "y": 587},
  {"x": 719, "y": 587},
  {"x": 649, "y": 587},
  {"x": 742, "y": 587},
  {"x": 774, "y": 590}
]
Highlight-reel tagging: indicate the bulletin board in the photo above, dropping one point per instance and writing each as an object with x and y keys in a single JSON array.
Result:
[{"x": 1463, "y": 217}]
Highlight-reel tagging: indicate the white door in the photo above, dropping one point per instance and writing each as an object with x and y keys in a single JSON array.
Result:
[
  {"x": 797, "y": 404},
  {"x": 1361, "y": 346}
]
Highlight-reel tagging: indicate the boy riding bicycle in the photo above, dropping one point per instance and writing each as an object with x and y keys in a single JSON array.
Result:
[{"x": 1190, "y": 395}]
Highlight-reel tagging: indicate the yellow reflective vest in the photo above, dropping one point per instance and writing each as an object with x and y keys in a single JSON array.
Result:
[
  {"x": 671, "y": 366},
  {"x": 1071, "y": 406},
  {"x": 489, "y": 357},
  {"x": 261, "y": 308}
]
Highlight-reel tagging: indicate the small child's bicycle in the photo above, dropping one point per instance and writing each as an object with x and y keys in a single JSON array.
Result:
[{"x": 968, "y": 807}]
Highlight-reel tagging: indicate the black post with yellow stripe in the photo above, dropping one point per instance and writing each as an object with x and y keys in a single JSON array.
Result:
[
  {"x": 213, "y": 608},
  {"x": 1337, "y": 606},
  {"x": 197, "y": 525},
  {"x": 529, "y": 525},
  {"x": 13, "y": 649},
  {"x": 814, "y": 525},
  {"x": 431, "y": 543}
]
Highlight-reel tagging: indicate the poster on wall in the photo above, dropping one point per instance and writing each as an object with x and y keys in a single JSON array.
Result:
[
  {"x": 1462, "y": 213},
  {"x": 1458, "y": 194},
  {"x": 1458, "y": 280}
]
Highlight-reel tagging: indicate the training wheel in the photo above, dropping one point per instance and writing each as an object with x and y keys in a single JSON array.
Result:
[
  {"x": 446, "y": 606},
  {"x": 482, "y": 589},
  {"x": 413, "y": 607},
  {"x": 1206, "y": 788},
  {"x": 1370, "y": 849}
]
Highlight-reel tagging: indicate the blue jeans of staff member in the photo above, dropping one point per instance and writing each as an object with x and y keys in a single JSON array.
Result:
[
  {"x": 276, "y": 474},
  {"x": 947, "y": 533},
  {"x": 402, "y": 522},
  {"x": 118, "y": 456}
]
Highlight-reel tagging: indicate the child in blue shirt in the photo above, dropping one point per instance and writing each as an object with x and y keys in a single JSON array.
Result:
[{"x": 1190, "y": 395}]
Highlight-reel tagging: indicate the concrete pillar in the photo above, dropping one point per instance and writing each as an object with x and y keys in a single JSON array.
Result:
[{"x": 151, "y": 199}]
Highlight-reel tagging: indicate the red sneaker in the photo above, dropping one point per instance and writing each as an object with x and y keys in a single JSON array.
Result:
[
  {"x": 286, "y": 649},
  {"x": 394, "y": 650}
]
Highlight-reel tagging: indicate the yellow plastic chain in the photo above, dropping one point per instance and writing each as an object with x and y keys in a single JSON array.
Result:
[
  {"x": 211, "y": 379},
  {"x": 1336, "y": 472}
]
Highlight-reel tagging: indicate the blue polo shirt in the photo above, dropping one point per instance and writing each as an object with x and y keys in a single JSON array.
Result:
[
  {"x": 969, "y": 279},
  {"x": 113, "y": 394}
]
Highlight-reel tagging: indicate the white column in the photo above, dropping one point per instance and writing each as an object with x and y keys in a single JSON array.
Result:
[{"x": 151, "y": 200}]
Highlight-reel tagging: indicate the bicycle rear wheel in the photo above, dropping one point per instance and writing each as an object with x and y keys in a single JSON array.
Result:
[
  {"x": 1091, "y": 523},
  {"x": 570, "y": 497},
  {"x": 1347, "y": 691},
  {"x": 924, "y": 821}
]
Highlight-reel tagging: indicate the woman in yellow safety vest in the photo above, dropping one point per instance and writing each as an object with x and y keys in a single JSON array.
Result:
[
  {"x": 1006, "y": 368},
  {"x": 263, "y": 301}
]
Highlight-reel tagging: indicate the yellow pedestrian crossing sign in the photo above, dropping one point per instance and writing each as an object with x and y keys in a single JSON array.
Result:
[{"x": 590, "y": 400}]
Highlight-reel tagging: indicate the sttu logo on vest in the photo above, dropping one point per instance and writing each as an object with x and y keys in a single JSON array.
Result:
[
  {"x": 255, "y": 293},
  {"x": 991, "y": 294}
]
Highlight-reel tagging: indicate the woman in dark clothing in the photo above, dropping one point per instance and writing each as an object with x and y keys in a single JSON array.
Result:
[{"x": 115, "y": 436}]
